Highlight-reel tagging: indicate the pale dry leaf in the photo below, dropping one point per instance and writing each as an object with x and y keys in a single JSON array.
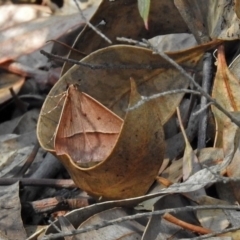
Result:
[
  {"x": 176, "y": 144},
  {"x": 20, "y": 125},
  {"x": 234, "y": 66},
  {"x": 173, "y": 42},
  {"x": 214, "y": 219},
  {"x": 10, "y": 211},
  {"x": 32, "y": 35},
  {"x": 223, "y": 22},
  {"x": 7, "y": 81},
  {"x": 225, "y": 91},
  {"x": 13, "y": 14},
  {"x": 66, "y": 226},
  {"x": 14, "y": 151},
  {"x": 35, "y": 232},
  {"x": 194, "y": 14},
  {"x": 215, "y": 20},
  {"x": 159, "y": 228},
  {"x": 231, "y": 140},
  {"x": 131, "y": 229},
  {"x": 207, "y": 156},
  {"x": 233, "y": 169},
  {"x": 190, "y": 161}
]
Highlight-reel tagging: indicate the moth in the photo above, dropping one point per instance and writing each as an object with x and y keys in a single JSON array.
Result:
[{"x": 87, "y": 131}]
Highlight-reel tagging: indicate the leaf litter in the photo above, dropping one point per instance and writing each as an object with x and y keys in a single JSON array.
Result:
[{"x": 127, "y": 180}]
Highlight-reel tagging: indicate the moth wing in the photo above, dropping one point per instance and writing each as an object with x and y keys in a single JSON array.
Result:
[{"x": 87, "y": 130}]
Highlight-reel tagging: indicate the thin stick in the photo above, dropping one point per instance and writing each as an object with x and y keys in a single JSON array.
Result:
[
  {"x": 207, "y": 236},
  {"x": 54, "y": 204},
  {"x": 66, "y": 46},
  {"x": 106, "y": 65},
  {"x": 91, "y": 26},
  {"x": 29, "y": 160},
  {"x": 56, "y": 183},
  {"x": 185, "y": 225},
  {"x": 137, "y": 216},
  {"x": 157, "y": 95},
  {"x": 202, "y": 109},
  {"x": 206, "y": 80}
]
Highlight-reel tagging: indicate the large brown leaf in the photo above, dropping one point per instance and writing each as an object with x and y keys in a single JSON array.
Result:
[{"x": 133, "y": 164}]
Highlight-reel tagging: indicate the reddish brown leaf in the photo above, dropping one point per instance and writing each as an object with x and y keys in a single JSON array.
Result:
[{"x": 226, "y": 92}]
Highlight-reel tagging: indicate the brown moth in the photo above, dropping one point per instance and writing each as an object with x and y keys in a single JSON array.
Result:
[{"x": 87, "y": 130}]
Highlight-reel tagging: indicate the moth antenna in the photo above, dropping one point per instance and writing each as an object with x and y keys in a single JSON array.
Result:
[{"x": 63, "y": 95}]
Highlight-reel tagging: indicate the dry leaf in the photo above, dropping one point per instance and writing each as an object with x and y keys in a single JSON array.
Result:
[
  {"x": 123, "y": 230},
  {"x": 138, "y": 152},
  {"x": 159, "y": 228},
  {"x": 30, "y": 36},
  {"x": 7, "y": 81},
  {"x": 66, "y": 226},
  {"x": 237, "y": 8},
  {"x": 190, "y": 161},
  {"x": 215, "y": 20},
  {"x": 214, "y": 219},
  {"x": 122, "y": 19},
  {"x": 225, "y": 91},
  {"x": 194, "y": 14},
  {"x": 13, "y": 14},
  {"x": 10, "y": 211},
  {"x": 87, "y": 131},
  {"x": 223, "y": 23},
  {"x": 14, "y": 151}
]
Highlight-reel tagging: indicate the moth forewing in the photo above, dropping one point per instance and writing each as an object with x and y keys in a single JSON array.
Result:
[{"x": 87, "y": 131}]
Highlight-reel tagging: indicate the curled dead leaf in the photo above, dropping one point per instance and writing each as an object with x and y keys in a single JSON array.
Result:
[{"x": 133, "y": 164}]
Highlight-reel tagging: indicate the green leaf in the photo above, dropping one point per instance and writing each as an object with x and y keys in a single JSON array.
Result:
[{"x": 144, "y": 7}]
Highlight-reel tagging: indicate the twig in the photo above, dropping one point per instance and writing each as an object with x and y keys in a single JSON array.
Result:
[
  {"x": 91, "y": 26},
  {"x": 54, "y": 226},
  {"x": 207, "y": 236},
  {"x": 21, "y": 105},
  {"x": 206, "y": 80},
  {"x": 185, "y": 225},
  {"x": 54, "y": 204},
  {"x": 56, "y": 183},
  {"x": 29, "y": 160},
  {"x": 137, "y": 216},
  {"x": 66, "y": 46},
  {"x": 145, "y": 99},
  {"x": 202, "y": 109},
  {"x": 106, "y": 65},
  {"x": 189, "y": 77}
]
